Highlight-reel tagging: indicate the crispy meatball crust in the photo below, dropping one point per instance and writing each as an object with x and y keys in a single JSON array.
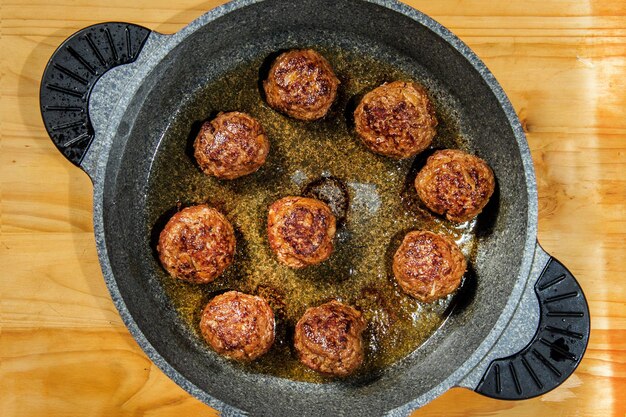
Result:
[
  {"x": 238, "y": 326},
  {"x": 231, "y": 145},
  {"x": 301, "y": 84},
  {"x": 396, "y": 120},
  {"x": 328, "y": 339},
  {"x": 197, "y": 244},
  {"x": 456, "y": 184},
  {"x": 300, "y": 231},
  {"x": 428, "y": 266}
]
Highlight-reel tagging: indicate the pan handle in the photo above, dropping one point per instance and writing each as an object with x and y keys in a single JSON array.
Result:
[
  {"x": 73, "y": 70},
  {"x": 559, "y": 342}
]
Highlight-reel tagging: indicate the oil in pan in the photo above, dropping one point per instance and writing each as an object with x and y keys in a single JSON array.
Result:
[{"x": 383, "y": 207}]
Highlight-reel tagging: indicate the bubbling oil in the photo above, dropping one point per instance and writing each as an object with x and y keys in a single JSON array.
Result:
[{"x": 383, "y": 208}]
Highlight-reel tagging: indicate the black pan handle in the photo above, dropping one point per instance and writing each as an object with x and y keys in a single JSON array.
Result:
[
  {"x": 556, "y": 348},
  {"x": 70, "y": 75}
]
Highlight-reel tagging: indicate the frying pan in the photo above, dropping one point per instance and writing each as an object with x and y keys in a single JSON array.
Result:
[{"x": 111, "y": 90}]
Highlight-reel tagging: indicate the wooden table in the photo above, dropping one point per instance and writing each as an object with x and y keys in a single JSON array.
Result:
[{"x": 63, "y": 347}]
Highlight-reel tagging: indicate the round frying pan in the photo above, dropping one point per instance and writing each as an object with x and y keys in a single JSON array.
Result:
[{"x": 112, "y": 91}]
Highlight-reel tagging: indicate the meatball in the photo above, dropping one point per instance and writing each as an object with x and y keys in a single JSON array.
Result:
[
  {"x": 238, "y": 326},
  {"x": 456, "y": 184},
  {"x": 428, "y": 266},
  {"x": 328, "y": 339},
  {"x": 301, "y": 84},
  {"x": 231, "y": 145},
  {"x": 396, "y": 120},
  {"x": 197, "y": 244},
  {"x": 301, "y": 231}
]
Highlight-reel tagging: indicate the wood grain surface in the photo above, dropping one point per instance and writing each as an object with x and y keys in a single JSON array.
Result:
[{"x": 64, "y": 350}]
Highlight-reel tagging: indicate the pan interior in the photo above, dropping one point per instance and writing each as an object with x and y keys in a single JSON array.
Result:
[
  {"x": 383, "y": 208},
  {"x": 217, "y": 69}
]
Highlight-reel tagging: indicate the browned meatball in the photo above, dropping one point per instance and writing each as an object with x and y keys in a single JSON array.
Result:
[
  {"x": 328, "y": 339},
  {"x": 300, "y": 231},
  {"x": 238, "y": 326},
  {"x": 231, "y": 145},
  {"x": 396, "y": 120},
  {"x": 301, "y": 84},
  {"x": 456, "y": 184},
  {"x": 428, "y": 266},
  {"x": 197, "y": 244}
]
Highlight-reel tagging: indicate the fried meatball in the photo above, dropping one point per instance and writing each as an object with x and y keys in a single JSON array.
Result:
[
  {"x": 396, "y": 120},
  {"x": 197, "y": 244},
  {"x": 301, "y": 231},
  {"x": 428, "y": 266},
  {"x": 238, "y": 326},
  {"x": 456, "y": 184},
  {"x": 231, "y": 145},
  {"x": 328, "y": 339},
  {"x": 301, "y": 84}
]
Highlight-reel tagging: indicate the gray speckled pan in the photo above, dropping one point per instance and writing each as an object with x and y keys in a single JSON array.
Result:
[{"x": 111, "y": 90}]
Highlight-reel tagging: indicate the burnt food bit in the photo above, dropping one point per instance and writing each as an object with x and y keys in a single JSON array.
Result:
[
  {"x": 238, "y": 326},
  {"x": 396, "y": 120},
  {"x": 455, "y": 184},
  {"x": 331, "y": 191},
  {"x": 428, "y": 266},
  {"x": 231, "y": 145},
  {"x": 301, "y": 84},
  {"x": 197, "y": 244},
  {"x": 328, "y": 339},
  {"x": 301, "y": 231}
]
